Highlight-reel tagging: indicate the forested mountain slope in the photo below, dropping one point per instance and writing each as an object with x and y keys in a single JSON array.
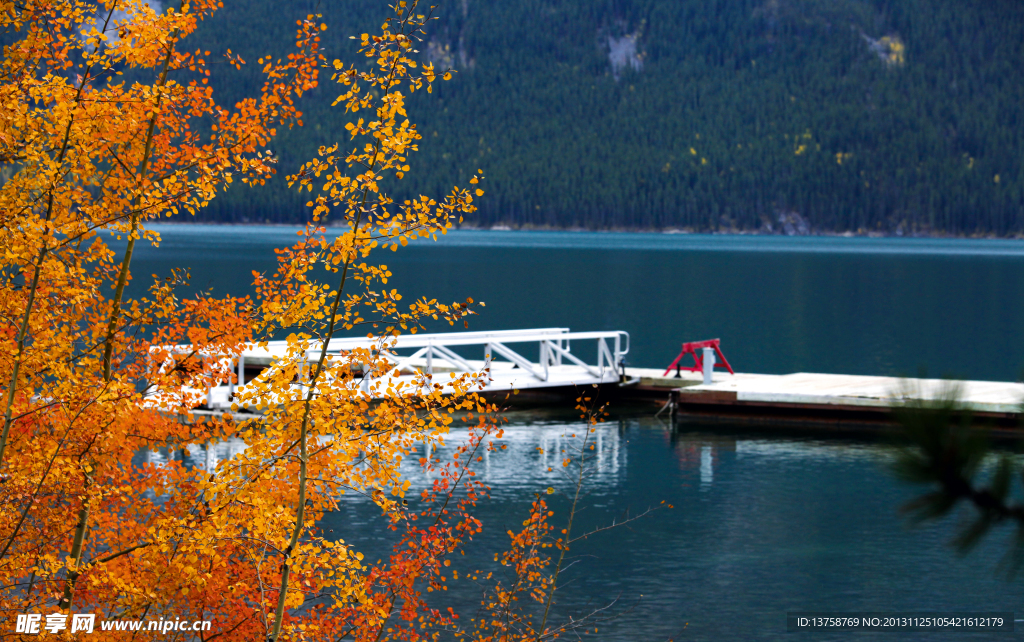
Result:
[{"x": 832, "y": 115}]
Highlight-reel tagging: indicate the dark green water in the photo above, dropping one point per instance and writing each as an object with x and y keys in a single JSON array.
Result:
[
  {"x": 764, "y": 523},
  {"x": 761, "y": 524}
]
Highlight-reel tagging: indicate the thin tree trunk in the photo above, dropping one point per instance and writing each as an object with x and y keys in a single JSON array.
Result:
[
  {"x": 300, "y": 511},
  {"x": 568, "y": 534},
  {"x": 122, "y": 278},
  {"x": 76, "y": 550},
  {"x": 304, "y": 429},
  {"x": 30, "y": 303},
  {"x": 115, "y": 314}
]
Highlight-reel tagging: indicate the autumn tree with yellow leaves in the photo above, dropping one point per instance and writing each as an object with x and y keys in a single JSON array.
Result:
[
  {"x": 91, "y": 377},
  {"x": 86, "y": 151}
]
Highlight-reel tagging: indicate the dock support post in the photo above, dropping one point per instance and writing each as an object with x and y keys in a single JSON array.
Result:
[{"x": 709, "y": 365}]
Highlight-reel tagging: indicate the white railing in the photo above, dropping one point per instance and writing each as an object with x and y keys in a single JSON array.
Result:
[
  {"x": 552, "y": 366},
  {"x": 501, "y": 366}
]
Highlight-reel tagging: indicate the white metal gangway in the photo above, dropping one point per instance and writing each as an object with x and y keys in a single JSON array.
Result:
[{"x": 499, "y": 366}]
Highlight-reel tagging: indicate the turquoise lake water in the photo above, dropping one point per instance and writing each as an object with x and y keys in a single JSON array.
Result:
[{"x": 763, "y": 522}]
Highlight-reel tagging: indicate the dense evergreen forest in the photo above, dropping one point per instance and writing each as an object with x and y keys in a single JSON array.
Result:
[{"x": 892, "y": 116}]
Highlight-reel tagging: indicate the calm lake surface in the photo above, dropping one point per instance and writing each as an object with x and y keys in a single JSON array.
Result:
[
  {"x": 763, "y": 522},
  {"x": 779, "y": 304}
]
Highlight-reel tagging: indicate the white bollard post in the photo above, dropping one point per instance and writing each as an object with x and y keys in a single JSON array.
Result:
[{"x": 709, "y": 364}]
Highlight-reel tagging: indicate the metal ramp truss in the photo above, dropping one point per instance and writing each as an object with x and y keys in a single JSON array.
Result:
[{"x": 500, "y": 367}]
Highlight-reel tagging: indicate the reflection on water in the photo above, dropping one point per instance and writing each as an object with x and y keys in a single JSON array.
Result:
[
  {"x": 201, "y": 456},
  {"x": 762, "y": 524},
  {"x": 533, "y": 457},
  {"x": 702, "y": 453}
]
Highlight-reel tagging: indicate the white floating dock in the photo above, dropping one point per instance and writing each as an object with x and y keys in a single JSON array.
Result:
[
  {"x": 833, "y": 399},
  {"x": 864, "y": 391},
  {"x": 509, "y": 360},
  {"x": 549, "y": 359}
]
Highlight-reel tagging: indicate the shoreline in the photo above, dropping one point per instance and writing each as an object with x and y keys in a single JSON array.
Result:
[{"x": 665, "y": 231}]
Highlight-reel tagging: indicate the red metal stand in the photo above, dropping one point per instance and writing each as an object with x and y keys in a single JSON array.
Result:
[{"x": 695, "y": 348}]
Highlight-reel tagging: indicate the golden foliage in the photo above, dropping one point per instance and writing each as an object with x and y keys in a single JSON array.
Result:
[
  {"x": 85, "y": 382},
  {"x": 92, "y": 378}
]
